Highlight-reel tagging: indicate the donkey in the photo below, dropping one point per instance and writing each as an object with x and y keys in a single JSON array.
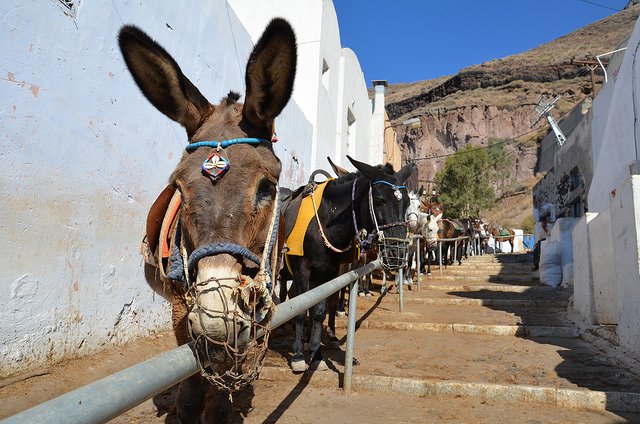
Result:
[
  {"x": 449, "y": 229},
  {"x": 371, "y": 201},
  {"x": 226, "y": 186},
  {"x": 501, "y": 234},
  {"x": 424, "y": 224}
]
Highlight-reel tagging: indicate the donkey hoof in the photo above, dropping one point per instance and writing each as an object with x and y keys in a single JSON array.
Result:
[
  {"x": 368, "y": 294},
  {"x": 319, "y": 366},
  {"x": 361, "y": 294},
  {"x": 299, "y": 366},
  {"x": 334, "y": 344},
  {"x": 341, "y": 313}
]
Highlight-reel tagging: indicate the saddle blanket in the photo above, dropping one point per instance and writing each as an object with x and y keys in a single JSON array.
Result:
[{"x": 295, "y": 239}]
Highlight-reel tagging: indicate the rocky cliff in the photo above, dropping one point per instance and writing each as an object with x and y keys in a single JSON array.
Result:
[{"x": 494, "y": 101}]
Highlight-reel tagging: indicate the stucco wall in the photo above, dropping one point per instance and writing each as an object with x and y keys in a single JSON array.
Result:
[
  {"x": 615, "y": 133},
  {"x": 583, "y": 298},
  {"x": 324, "y": 98},
  {"x": 625, "y": 224},
  {"x": 85, "y": 155}
]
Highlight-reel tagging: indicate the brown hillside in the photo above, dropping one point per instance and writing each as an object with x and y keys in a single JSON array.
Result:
[{"x": 494, "y": 101}]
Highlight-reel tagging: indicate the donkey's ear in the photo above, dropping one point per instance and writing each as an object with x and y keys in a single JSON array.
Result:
[
  {"x": 340, "y": 172},
  {"x": 161, "y": 81},
  {"x": 270, "y": 73},
  {"x": 367, "y": 170},
  {"x": 406, "y": 171},
  {"x": 420, "y": 192}
]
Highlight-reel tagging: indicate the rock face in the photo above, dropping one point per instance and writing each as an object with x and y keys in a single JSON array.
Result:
[
  {"x": 444, "y": 131},
  {"x": 495, "y": 101}
]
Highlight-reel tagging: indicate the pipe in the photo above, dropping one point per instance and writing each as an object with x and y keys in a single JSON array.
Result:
[
  {"x": 351, "y": 332},
  {"x": 400, "y": 286},
  {"x": 111, "y": 396},
  {"x": 418, "y": 252}
]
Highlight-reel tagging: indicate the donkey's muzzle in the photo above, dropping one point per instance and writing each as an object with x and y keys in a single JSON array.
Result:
[{"x": 393, "y": 252}]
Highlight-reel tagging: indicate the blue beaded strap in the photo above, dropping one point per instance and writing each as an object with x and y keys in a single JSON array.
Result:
[
  {"x": 388, "y": 183},
  {"x": 225, "y": 143}
]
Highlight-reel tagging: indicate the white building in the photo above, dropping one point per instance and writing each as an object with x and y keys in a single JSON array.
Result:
[
  {"x": 85, "y": 154},
  {"x": 606, "y": 242}
]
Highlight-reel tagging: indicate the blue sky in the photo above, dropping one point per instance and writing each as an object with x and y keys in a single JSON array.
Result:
[{"x": 412, "y": 40}]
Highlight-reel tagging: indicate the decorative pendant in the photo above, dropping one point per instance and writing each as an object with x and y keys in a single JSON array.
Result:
[
  {"x": 398, "y": 194},
  {"x": 215, "y": 166}
]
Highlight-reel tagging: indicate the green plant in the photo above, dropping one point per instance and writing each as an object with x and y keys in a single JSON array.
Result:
[{"x": 464, "y": 182}]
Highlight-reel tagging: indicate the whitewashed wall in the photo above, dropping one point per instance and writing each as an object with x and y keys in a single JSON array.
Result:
[
  {"x": 83, "y": 157},
  {"x": 323, "y": 98},
  {"x": 613, "y": 227}
]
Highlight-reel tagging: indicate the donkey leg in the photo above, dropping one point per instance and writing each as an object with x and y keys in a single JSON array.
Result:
[
  {"x": 334, "y": 343},
  {"x": 297, "y": 360},
  {"x": 190, "y": 399},
  {"x": 317, "y": 360},
  {"x": 341, "y": 303}
]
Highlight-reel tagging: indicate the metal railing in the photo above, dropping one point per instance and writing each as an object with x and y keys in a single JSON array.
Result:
[{"x": 111, "y": 396}]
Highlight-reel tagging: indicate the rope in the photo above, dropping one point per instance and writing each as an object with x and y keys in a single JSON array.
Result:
[
  {"x": 324, "y": 237},
  {"x": 224, "y": 143}
]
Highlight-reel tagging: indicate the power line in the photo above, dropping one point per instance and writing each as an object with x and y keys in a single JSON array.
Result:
[{"x": 601, "y": 5}]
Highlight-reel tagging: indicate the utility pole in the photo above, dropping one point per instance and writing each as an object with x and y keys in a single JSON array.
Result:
[
  {"x": 544, "y": 109},
  {"x": 591, "y": 65}
]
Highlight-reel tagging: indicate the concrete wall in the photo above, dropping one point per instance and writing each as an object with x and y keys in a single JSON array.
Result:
[
  {"x": 625, "y": 224},
  {"x": 611, "y": 233},
  {"x": 583, "y": 298},
  {"x": 85, "y": 155},
  {"x": 570, "y": 168},
  {"x": 615, "y": 134}
]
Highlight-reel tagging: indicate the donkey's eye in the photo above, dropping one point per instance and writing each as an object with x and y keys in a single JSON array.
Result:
[{"x": 266, "y": 192}]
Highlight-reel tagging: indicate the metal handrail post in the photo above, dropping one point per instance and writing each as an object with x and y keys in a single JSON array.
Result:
[
  {"x": 440, "y": 255},
  {"x": 351, "y": 335},
  {"x": 455, "y": 251},
  {"x": 418, "y": 252},
  {"x": 400, "y": 285},
  {"x": 105, "y": 399}
]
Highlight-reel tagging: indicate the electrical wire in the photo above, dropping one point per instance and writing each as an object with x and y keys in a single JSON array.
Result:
[{"x": 601, "y": 5}]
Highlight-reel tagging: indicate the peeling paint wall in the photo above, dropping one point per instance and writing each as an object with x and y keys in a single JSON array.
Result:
[
  {"x": 84, "y": 155},
  {"x": 564, "y": 189}
]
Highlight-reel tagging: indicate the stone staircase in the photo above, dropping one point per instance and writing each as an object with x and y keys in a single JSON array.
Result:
[{"x": 484, "y": 330}]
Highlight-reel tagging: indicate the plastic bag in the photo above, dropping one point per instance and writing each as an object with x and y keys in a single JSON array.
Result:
[{"x": 550, "y": 264}]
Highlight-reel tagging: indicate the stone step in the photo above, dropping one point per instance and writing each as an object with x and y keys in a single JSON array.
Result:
[
  {"x": 471, "y": 292},
  {"x": 577, "y": 401},
  {"x": 496, "y": 330},
  {"x": 422, "y": 310},
  {"x": 562, "y": 363},
  {"x": 464, "y": 278},
  {"x": 504, "y": 303},
  {"x": 496, "y": 287}
]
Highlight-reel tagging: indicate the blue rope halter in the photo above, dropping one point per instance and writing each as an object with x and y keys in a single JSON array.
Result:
[
  {"x": 176, "y": 270},
  {"x": 224, "y": 143},
  {"x": 395, "y": 187}
]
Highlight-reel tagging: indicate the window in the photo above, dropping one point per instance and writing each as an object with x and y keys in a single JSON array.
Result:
[
  {"x": 325, "y": 74},
  {"x": 69, "y": 7},
  {"x": 574, "y": 176},
  {"x": 351, "y": 132}
]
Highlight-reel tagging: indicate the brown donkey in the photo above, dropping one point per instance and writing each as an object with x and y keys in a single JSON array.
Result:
[{"x": 218, "y": 245}]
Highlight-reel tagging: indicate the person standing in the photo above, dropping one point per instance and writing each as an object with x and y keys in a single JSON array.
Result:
[{"x": 540, "y": 233}]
